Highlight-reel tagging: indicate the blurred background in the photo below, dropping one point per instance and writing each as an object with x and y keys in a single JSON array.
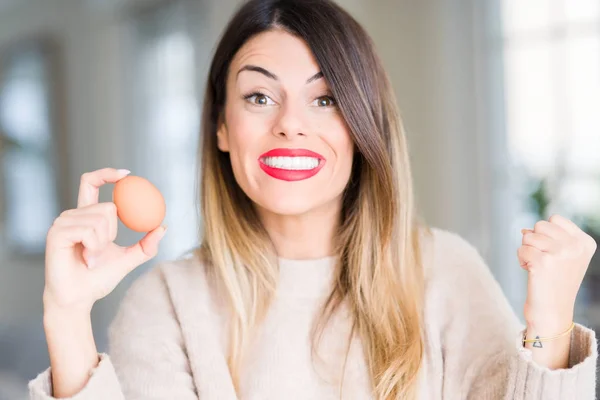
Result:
[{"x": 500, "y": 98}]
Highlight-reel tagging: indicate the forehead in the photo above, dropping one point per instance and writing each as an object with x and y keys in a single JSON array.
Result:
[{"x": 278, "y": 51}]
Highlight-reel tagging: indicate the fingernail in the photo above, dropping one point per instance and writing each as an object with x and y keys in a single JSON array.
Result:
[
  {"x": 123, "y": 172},
  {"x": 162, "y": 233}
]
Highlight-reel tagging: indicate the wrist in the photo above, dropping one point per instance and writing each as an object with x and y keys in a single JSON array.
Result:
[
  {"x": 71, "y": 348},
  {"x": 550, "y": 325},
  {"x": 69, "y": 329},
  {"x": 55, "y": 316},
  {"x": 54, "y": 309},
  {"x": 555, "y": 316}
]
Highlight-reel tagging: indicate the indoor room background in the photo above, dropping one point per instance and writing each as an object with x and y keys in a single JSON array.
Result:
[{"x": 500, "y": 100}]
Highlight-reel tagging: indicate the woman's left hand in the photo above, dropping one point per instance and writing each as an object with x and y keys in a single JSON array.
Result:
[{"x": 556, "y": 254}]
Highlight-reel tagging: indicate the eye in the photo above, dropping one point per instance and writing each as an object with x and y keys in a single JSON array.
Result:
[
  {"x": 259, "y": 99},
  {"x": 325, "y": 101}
]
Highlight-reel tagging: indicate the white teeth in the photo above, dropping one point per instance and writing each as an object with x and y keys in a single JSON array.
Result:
[{"x": 301, "y": 163}]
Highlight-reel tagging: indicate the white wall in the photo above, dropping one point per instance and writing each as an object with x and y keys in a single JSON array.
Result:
[{"x": 430, "y": 58}]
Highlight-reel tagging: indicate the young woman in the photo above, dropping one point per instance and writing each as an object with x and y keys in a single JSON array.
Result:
[{"x": 314, "y": 279}]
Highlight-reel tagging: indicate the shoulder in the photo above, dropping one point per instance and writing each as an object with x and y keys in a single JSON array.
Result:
[
  {"x": 451, "y": 245},
  {"x": 455, "y": 268},
  {"x": 153, "y": 295},
  {"x": 445, "y": 252},
  {"x": 459, "y": 278},
  {"x": 163, "y": 278}
]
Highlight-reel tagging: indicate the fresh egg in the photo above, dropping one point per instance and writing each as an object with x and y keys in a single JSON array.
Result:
[{"x": 140, "y": 205}]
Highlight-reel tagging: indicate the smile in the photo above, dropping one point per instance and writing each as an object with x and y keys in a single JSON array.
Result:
[{"x": 291, "y": 164}]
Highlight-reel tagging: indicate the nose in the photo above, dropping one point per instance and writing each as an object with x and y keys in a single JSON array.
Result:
[{"x": 290, "y": 122}]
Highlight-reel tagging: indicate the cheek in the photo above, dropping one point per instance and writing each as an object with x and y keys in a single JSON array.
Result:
[
  {"x": 340, "y": 140},
  {"x": 244, "y": 131}
]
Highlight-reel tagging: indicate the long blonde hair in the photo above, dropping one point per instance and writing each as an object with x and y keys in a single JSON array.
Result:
[{"x": 379, "y": 272}]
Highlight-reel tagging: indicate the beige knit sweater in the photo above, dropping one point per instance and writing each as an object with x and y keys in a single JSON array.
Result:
[{"x": 168, "y": 340}]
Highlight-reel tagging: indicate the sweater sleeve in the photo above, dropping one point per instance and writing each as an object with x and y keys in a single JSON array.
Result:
[
  {"x": 103, "y": 384},
  {"x": 483, "y": 354},
  {"x": 147, "y": 356}
]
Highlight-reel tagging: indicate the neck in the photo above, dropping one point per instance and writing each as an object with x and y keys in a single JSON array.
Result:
[{"x": 305, "y": 236}]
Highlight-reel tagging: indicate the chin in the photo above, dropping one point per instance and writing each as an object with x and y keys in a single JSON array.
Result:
[{"x": 289, "y": 205}]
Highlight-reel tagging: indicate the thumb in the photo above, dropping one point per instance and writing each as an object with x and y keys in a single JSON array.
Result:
[
  {"x": 142, "y": 251},
  {"x": 527, "y": 255}
]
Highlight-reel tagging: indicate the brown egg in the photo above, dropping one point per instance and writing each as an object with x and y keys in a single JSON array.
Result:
[{"x": 140, "y": 205}]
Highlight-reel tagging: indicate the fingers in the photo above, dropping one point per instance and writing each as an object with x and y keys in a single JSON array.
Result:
[
  {"x": 140, "y": 252},
  {"x": 527, "y": 256},
  {"x": 550, "y": 236},
  {"x": 557, "y": 228},
  {"x": 89, "y": 187},
  {"x": 568, "y": 225},
  {"x": 95, "y": 227},
  {"x": 550, "y": 229},
  {"x": 541, "y": 242},
  {"x": 68, "y": 236},
  {"x": 104, "y": 214}
]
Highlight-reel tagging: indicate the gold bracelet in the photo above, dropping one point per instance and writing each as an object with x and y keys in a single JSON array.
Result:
[{"x": 537, "y": 342}]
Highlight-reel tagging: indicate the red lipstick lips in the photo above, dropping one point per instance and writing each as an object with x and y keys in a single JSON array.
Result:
[{"x": 290, "y": 174}]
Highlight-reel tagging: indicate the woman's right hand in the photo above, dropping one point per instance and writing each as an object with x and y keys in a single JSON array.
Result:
[{"x": 83, "y": 264}]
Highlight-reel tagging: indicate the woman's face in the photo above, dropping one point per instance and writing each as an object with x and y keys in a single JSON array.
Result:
[{"x": 290, "y": 148}]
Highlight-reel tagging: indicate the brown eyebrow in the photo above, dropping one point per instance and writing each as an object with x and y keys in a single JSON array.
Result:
[
  {"x": 261, "y": 70},
  {"x": 269, "y": 74},
  {"x": 316, "y": 76}
]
